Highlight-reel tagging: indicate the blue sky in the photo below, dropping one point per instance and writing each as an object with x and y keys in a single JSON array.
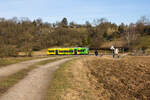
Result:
[{"x": 79, "y": 11}]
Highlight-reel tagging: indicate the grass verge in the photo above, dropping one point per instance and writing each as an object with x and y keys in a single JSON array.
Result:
[
  {"x": 7, "y": 82},
  {"x": 60, "y": 82},
  {"x": 8, "y": 61},
  {"x": 70, "y": 82}
]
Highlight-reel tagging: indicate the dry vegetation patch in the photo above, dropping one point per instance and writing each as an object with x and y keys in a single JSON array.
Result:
[
  {"x": 80, "y": 85},
  {"x": 13, "y": 60}
]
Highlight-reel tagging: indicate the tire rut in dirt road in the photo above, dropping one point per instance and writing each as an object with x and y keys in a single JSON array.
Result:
[
  {"x": 11, "y": 69},
  {"x": 34, "y": 86}
]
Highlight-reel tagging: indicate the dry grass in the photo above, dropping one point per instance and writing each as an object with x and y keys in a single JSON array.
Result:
[
  {"x": 41, "y": 52},
  {"x": 12, "y": 60},
  {"x": 35, "y": 53},
  {"x": 116, "y": 43},
  {"x": 59, "y": 83}
]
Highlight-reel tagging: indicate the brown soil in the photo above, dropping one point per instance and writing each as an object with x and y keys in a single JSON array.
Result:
[{"x": 121, "y": 79}]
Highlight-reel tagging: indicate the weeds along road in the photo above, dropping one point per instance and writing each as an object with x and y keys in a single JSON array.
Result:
[
  {"x": 11, "y": 69},
  {"x": 34, "y": 85}
]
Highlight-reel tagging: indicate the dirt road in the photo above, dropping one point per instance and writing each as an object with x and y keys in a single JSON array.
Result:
[
  {"x": 11, "y": 69},
  {"x": 34, "y": 86}
]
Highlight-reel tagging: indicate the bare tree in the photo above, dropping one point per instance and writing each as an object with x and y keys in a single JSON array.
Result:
[{"x": 131, "y": 35}]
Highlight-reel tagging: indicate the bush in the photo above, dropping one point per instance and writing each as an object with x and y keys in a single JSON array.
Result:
[{"x": 8, "y": 51}]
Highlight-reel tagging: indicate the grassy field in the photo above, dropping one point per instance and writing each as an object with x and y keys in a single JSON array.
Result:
[
  {"x": 102, "y": 79},
  {"x": 7, "y": 82}
]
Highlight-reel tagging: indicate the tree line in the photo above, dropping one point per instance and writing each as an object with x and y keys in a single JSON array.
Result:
[{"x": 26, "y": 36}]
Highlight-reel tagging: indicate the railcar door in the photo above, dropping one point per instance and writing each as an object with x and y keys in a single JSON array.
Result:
[
  {"x": 56, "y": 52},
  {"x": 75, "y": 51}
]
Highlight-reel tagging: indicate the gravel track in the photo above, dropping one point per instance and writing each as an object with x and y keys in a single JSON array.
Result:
[
  {"x": 34, "y": 85},
  {"x": 11, "y": 69}
]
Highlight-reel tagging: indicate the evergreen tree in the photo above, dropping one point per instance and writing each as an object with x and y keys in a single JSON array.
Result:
[{"x": 64, "y": 22}]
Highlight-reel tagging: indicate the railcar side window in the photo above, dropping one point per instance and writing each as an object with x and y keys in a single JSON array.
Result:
[
  {"x": 65, "y": 51},
  {"x": 51, "y": 51},
  {"x": 71, "y": 51},
  {"x": 81, "y": 50}
]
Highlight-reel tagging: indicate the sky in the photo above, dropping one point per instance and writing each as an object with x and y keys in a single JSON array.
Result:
[{"x": 79, "y": 11}]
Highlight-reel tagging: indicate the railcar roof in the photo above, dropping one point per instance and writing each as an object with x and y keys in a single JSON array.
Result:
[{"x": 67, "y": 48}]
